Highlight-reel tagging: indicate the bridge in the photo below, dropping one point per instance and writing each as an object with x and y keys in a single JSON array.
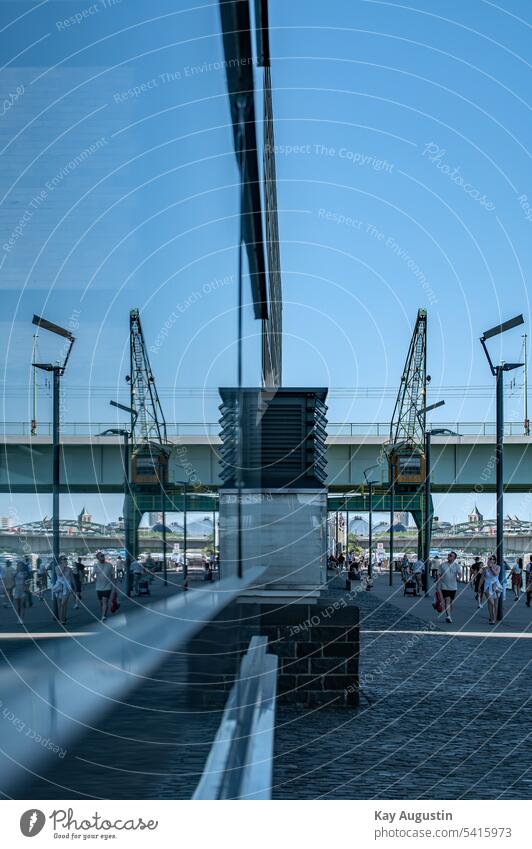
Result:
[{"x": 92, "y": 462}]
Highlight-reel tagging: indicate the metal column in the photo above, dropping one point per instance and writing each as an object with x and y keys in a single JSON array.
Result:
[
  {"x": 499, "y": 455},
  {"x": 370, "y": 529},
  {"x": 392, "y": 511},
  {"x": 56, "y": 478},
  {"x": 427, "y": 518}
]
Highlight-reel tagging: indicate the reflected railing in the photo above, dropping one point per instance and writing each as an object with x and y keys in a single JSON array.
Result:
[{"x": 61, "y": 689}]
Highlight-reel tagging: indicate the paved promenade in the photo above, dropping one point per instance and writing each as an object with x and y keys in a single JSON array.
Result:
[
  {"x": 466, "y": 615},
  {"x": 39, "y": 621},
  {"x": 444, "y": 710}
]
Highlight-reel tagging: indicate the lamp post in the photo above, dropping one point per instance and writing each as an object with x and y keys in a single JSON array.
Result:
[
  {"x": 498, "y": 374},
  {"x": 185, "y": 562},
  {"x": 370, "y": 484},
  {"x": 392, "y": 511},
  {"x": 127, "y": 489},
  {"x": 427, "y": 518},
  {"x": 526, "y": 423},
  {"x": 58, "y": 370}
]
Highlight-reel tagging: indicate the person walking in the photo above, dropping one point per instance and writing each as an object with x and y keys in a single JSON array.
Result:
[
  {"x": 419, "y": 568},
  {"x": 120, "y": 570},
  {"x": 448, "y": 582},
  {"x": 63, "y": 588},
  {"x": 476, "y": 579},
  {"x": 20, "y": 589},
  {"x": 78, "y": 573},
  {"x": 42, "y": 579},
  {"x": 104, "y": 582},
  {"x": 137, "y": 571},
  {"x": 517, "y": 578},
  {"x": 528, "y": 582},
  {"x": 26, "y": 564},
  {"x": 8, "y": 582},
  {"x": 492, "y": 587},
  {"x": 435, "y": 564}
]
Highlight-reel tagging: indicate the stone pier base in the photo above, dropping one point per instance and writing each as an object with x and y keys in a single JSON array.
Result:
[{"x": 317, "y": 645}]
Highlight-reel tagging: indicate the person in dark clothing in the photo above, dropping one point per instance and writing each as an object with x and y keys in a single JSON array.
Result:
[{"x": 78, "y": 573}]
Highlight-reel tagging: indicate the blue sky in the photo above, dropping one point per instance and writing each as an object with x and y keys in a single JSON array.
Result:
[{"x": 402, "y": 168}]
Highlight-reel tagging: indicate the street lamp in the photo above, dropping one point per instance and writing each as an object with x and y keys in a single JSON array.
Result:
[
  {"x": 428, "y": 517},
  {"x": 370, "y": 484},
  {"x": 392, "y": 472},
  {"x": 498, "y": 373},
  {"x": 185, "y": 534},
  {"x": 127, "y": 434},
  {"x": 58, "y": 370}
]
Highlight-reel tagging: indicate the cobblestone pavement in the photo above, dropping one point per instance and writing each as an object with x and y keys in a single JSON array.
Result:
[
  {"x": 441, "y": 717},
  {"x": 152, "y": 746}
]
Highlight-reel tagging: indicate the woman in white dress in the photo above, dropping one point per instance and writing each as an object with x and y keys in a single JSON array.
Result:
[
  {"x": 62, "y": 589},
  {"x": 492, "y": 587}
]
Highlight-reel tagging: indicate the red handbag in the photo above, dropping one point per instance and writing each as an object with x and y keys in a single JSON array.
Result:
[
  {"x": 437, "y": 603},
  {"x": 114, "y": 602}
]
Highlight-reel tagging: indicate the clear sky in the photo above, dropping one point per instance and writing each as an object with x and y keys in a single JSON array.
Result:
[{"x": 403, "y": 182}]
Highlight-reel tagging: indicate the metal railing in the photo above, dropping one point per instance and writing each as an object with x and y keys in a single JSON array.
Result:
[
  {"x": 239, "y": 765},
  {"x": 212, "y": 429}
]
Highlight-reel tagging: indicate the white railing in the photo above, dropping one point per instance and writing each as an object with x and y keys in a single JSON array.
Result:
[
  {"x": 175, "y": 429},
  {"x": 239, "y": 765}
]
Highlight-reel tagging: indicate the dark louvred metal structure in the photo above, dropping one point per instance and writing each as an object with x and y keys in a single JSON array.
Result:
[{"x": 284, "y": 433}]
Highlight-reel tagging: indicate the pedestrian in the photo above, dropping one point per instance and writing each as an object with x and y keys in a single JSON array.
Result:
[
  {"x": 492, "y": 587},
  {"x": 406, "y": 570},
  {"x": 476, "y": 579},
  {"x": 42, "y": 579},
  {"x": 104, "y": 582},
  {"x": 78, "y": 573},
  {"x": 8, "y": 581},
  {"x": 20, "y": 589},
  {"x": 137, "y": 571},
  {"x": 448, "y": 582},
  {"x": 435, "y": 564},
  {"x": 517, "y": 578},
  {"x": 26, "y": 563},
  {"x": 528, "y": 581},
  {"x": 120, "y": 571},
  {"x": 419, "y": 568},
  {"x": 63, "y": 588}
]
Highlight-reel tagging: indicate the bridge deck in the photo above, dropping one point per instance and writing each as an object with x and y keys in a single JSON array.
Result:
[{"x": 94, "y": 463}]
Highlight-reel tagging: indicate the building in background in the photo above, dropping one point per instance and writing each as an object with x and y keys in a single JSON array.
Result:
[
  {"x": 401, "y": 518},
  {"x": 475, "y": 517}
]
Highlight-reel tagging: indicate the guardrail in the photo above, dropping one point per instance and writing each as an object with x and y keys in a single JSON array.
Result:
[
  {"x": 54, "y": 695},
  {"x": 175, "y": 429},
  {"x": 239, "y": 765}
]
